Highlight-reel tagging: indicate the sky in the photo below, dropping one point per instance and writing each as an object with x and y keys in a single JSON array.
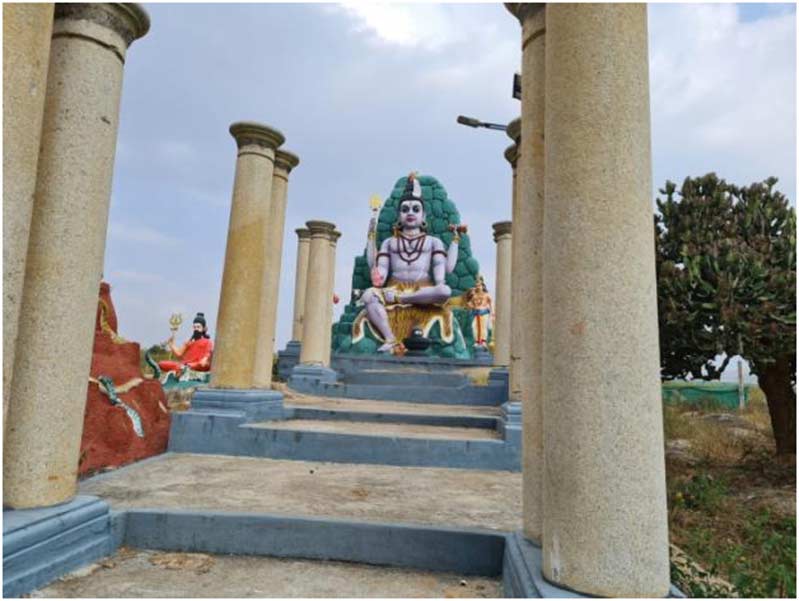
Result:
[{"x": 367, "y": 93}]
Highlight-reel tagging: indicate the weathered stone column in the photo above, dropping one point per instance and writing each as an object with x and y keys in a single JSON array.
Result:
[
  {"x": 65, "y": 250},
  {"x": 514, "y": 132},
  {"x": 331, "y": 271},
  {"x": 27, "y": 29},
  {"x": 301, "y": 275},
  {"x": 240, "y": 297},
  {"x": 273, "y": 245},
  {"x": 317, "y": 313},
  {"x": 530, "y": 171},
  {"x": 605, "y": 528},
  {"x": 502, "y": 304}
]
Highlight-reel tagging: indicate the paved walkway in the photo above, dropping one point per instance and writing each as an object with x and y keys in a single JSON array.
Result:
[
  {"x": 135, "y": 573},
  {"x": 417, "y": 495}
]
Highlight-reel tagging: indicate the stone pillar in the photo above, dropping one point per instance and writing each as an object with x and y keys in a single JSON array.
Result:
[
  {"x": 317, "y": 312},
  {"x": 530, "y": 171},
  {"x": 262, "y": 371},
  {"x": 240, "y": 297},
  {"x": 518, "y": 269},
  {"x": 502, "y": 304},
  {"x": 331, "y": 271},
  {"x": 65, "y": 250},
  {"x": 27, "y": 29},
  {"x": 301, "y": 275},
  {"x": 605, "y": 528}
]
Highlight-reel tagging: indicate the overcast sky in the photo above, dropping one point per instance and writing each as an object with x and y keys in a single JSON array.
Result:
[{"x": 365, "y": 94}]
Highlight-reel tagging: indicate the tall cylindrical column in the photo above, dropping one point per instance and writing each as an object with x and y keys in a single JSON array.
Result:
[
  {"x": 300, "y": 277},
  {"x": 27, "y": 29},
  {"x": 331, "y": 272},
  {"x": 65, "y": 251},
  {"x": 273, "y": 246},
  {"x": 317, "y": 312},
  {"x": 502, "y": 304},
  {"x": 240, "y": 297},
  {"x": 530, "y": 170},
  {"x": 518, "y": 268},
  {"x": 605, "y": 528}
]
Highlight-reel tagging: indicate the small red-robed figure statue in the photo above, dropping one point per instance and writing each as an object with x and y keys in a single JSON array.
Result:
[{"x": 195, "y": 353}]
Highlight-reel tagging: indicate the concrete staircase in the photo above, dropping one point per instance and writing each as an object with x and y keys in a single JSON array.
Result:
[{"x": 392, "y": 415}]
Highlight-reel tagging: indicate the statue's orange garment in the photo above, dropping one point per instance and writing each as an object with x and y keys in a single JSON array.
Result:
[{"x": 196, "y": 351}]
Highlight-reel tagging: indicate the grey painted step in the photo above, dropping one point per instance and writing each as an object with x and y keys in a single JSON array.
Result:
[
  {"x": 404, "y": 378},
  {"x": 222, "y": 434},
  {"x": 42, "y": 544},
  {"x": 492, "y": 394},
  {"x": 454, "y": 421},
  {"x": 381, "y": 430}
]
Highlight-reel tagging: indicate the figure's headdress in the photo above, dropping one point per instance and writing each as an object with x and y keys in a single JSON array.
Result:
[
  {"x": 200, "y": 318},
  {"x": 413, "y": 189}
]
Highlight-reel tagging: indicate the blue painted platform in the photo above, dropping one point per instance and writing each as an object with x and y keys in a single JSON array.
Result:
[
  {"x": 39, "y": 545},
  {"x": 465, "y": 551}
]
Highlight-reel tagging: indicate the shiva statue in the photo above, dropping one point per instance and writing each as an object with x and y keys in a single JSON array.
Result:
[{"x": 410, "y": 268}]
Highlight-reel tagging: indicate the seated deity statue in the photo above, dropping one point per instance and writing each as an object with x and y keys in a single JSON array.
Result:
[
  {"x": 480, "y": 304},
  {"x": 409, "y": 269},
  {"x": 195, "y": 353}
]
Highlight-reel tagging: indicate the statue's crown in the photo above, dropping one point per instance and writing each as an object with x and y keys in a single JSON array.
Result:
[{"x": 413, "y": 189}]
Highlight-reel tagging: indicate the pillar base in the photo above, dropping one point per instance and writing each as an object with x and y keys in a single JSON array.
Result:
[
  {"x": 522, "y": 578},
  {"x": 311, "y": 376},
  {"x": 288, "y": 358},
  {"x": 510, "y": 424},
  {"x": 42, "y": 544},
  {"x": 252, "y": 404},
  {"x": 501, "y": 376}
]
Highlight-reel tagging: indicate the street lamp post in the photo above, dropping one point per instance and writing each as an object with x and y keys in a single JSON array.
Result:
[{"x": 472, "y": 122}]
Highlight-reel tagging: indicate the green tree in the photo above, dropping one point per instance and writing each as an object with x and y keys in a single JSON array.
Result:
[{"x": 726, "y": 269}]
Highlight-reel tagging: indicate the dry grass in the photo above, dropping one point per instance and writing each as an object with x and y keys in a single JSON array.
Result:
[{"x": 732, "y": 504}]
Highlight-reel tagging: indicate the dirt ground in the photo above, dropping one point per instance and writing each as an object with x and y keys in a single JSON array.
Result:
[
  {"x": 732, "y": 503},
  {"x": 132, "y": 573}
]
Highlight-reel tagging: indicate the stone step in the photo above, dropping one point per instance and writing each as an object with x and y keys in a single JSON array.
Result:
[
  {"x": 382, "y": 430},
  {"x": 492, "y": 394},
  {"x": 386, "y": 412},
  {"x": 407, "y": 377},
  {"x": 295, "y": 400},
  {"x": 345, "y": 442}
]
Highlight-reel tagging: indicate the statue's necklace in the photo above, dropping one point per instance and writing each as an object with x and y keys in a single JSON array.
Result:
[{"x": 410, "y": 248}]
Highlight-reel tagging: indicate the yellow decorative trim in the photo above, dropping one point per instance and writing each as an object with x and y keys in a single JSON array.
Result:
[{"x": 106, "y": 327}]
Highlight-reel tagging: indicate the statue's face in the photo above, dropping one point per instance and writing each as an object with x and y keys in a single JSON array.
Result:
[{"x": 411, "y": 213}]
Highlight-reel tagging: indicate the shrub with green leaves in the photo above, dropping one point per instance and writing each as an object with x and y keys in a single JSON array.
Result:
[{"x": 726, "y": 276}]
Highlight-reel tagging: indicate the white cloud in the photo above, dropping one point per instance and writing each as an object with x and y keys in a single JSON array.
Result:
[
  {"x": 723, "y": 93},
  {"x": 426, "y": 26},
  {"x": 139, "y": 277},
  {"x": 142, "y": 234}
]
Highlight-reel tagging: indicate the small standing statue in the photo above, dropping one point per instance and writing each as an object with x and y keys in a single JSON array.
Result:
[
  {"x": 195, "y": 353},
  {"x": 479, "y": 301}
]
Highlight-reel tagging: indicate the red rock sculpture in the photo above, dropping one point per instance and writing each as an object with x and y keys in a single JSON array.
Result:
[{"x": 109, "y": 436}]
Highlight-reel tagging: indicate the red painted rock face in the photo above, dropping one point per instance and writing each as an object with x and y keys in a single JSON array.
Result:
[{"x": 109, "y": 439}]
